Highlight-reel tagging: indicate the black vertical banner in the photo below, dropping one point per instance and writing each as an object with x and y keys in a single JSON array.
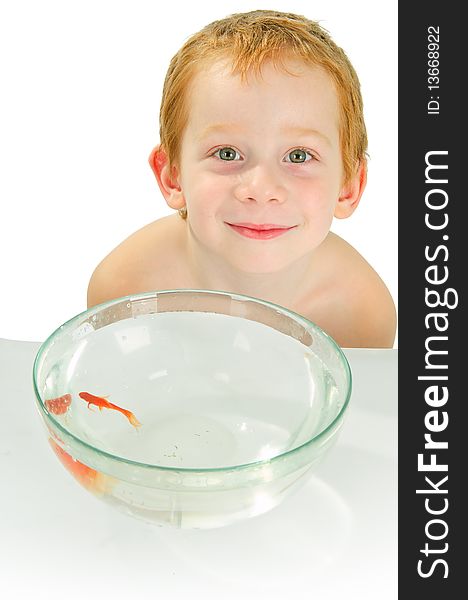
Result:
[{"x": 433, "y": 338}]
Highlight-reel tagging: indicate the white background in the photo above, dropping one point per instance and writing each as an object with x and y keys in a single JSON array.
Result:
[{"x": 81, "y": 87}]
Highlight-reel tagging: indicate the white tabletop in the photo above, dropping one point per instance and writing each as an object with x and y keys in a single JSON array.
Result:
[{"x": 334, "y": 538}]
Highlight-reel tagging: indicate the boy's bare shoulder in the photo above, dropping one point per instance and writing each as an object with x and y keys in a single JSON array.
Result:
[
  {"x": 146, "y": 260},
  {"x": 354, "y": 304}
]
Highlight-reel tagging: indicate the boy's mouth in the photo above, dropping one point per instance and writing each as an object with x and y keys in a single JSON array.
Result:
[{"x": 260, "y": 231}]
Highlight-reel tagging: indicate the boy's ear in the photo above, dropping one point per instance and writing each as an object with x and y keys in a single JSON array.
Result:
[
  {"x": 168, "y": 183},
  {"x": 351, "y": 192}
]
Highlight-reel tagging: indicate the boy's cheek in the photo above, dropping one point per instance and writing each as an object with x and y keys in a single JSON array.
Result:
[
  {"x": 317, "y": 199},
  {"x": 202, "y": 189}
]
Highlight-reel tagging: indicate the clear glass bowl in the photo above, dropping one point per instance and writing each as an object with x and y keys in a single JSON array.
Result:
[{"x": 191, "y": 408}]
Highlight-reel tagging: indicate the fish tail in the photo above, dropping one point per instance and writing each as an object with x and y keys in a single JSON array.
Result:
[{"x": 131, "y": 417}]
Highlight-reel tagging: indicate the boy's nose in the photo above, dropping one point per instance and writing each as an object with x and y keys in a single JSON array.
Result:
[{"x": 260, "y": 184}]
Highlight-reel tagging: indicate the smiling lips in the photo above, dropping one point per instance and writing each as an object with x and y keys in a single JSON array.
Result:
[{"x": 263, "y": 231}]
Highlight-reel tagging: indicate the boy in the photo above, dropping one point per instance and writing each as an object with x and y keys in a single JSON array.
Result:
[{"x": 262, "y": 143}]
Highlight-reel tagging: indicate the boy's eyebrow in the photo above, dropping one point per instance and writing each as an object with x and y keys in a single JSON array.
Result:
[
  {"x": 217, "y": 127},
  {"x": 306, "y": 131},
  {"x": 232, "y": 127}
]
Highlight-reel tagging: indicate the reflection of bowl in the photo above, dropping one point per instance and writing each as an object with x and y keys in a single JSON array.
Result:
[{"x": 219, "y": 403}]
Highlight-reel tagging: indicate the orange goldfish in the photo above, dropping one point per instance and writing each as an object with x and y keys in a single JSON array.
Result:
[
  {"x": 101, "y": 403},
  {"x": 58, "y": 406},
  {"x": 89, "y": 478}
]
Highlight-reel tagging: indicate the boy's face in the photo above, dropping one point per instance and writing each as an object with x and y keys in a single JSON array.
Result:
[{"x": 260, "y": 167}]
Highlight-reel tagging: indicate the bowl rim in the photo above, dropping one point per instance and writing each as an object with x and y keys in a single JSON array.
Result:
[{"x": 49, "y": 417}]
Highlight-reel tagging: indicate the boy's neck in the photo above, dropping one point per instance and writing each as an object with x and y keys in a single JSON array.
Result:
[{"x": 286, "y": 287}]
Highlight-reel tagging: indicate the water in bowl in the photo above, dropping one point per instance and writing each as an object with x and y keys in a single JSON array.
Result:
[{"x": 209, "y": 390}]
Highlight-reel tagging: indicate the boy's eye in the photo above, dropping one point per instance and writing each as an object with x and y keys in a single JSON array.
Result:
[
  {"x": 226, "y": 153},
  {"x": 298, "y": 155}
]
